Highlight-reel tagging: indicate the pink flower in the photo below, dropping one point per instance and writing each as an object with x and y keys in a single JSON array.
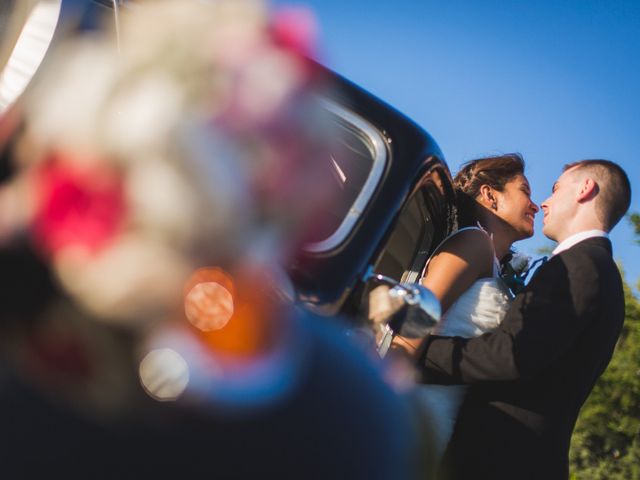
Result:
[{"x": 76, "y": 206}]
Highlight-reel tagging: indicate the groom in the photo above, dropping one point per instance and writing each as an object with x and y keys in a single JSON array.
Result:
[{"x": 530, "y": 377}]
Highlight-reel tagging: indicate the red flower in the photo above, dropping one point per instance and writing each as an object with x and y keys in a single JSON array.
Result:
[
  {"x": 295, "y": 29},
  {"x": 81, "y": 207}
]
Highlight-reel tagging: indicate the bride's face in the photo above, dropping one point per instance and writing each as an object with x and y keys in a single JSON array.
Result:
[{"x": 515, "y": 207}]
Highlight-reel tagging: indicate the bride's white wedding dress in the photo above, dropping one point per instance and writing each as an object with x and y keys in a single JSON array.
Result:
[{"x": 479, "y": 309}]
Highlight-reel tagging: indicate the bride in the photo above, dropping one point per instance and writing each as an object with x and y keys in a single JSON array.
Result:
[{"x": 494, "y": 211}]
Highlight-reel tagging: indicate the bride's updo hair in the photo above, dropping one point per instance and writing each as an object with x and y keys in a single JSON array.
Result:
[{"x": 494, "y": 171}]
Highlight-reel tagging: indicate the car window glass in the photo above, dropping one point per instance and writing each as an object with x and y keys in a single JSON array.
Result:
[
  {"x": 412, "y": 231},
  {"x": 356, "y": 162},
  {"x": 422, "y": 223}
]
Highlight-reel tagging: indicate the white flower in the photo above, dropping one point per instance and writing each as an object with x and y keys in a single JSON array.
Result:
[
  {"x": 133, "y": 279},
  {"x": 519, "y": 262}
]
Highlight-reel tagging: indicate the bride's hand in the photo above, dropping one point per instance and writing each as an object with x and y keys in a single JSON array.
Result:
[
  {"x": 400, "y": 364},
  {"x": 405, "y": 346}
]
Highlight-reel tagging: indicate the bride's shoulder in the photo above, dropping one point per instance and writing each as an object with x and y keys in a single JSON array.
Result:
[
  {"x": 473, "y": 245},
  {"x": 468, "y": 240},
  {"x": 457, "y": 264}
]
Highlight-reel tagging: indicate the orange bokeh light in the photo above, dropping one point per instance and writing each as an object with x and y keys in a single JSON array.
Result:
[
  {"x": 208, "y": 306},
  {"x": 232, "y": 317}
]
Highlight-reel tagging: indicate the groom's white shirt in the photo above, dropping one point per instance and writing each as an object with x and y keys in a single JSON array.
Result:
[{"x": 569, "y": 242}]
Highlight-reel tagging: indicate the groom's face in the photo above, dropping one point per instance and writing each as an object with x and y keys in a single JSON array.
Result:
[{"x": 561, "y": 206}]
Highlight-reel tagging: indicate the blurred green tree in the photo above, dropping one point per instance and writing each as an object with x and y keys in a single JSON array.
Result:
[
  {"x": 606, "y": 440},
  {"x": 634, "y": 218},
  {"x": 546, "y": 250}
]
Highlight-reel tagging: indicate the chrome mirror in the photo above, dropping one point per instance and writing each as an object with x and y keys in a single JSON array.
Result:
[{"x": 416, "y": 310}]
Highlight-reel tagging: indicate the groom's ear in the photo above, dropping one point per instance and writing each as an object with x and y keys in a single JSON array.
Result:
[{"x": 588, "y": 190}]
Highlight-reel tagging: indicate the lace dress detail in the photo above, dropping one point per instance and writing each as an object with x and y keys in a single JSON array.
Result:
[{"x": 478, "y": 310}]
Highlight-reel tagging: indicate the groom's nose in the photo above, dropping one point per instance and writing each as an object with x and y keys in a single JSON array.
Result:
[{"x": 544, "y": 205}]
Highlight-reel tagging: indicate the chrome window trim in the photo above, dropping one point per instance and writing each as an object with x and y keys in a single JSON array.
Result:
[
  {"x": 31, "y": 44},
  {"x": 380, "y": 158}
]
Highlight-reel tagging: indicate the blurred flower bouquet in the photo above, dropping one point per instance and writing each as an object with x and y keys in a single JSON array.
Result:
[
  {"x": 182, "y": 146},
  {"x": 151, "y": 157}
]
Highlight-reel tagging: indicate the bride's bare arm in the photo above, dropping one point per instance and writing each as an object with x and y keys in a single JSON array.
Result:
[{"x": 463, "y": 259}]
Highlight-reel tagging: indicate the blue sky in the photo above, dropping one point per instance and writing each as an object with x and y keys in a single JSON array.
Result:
[{"x": 557, "y": 81}]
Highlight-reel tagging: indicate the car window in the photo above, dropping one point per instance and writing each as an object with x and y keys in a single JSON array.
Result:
[
  {"x": 413, "y": 231},
  {"x": 357, "y": 160},
  {"x": 424, "y": 221}
]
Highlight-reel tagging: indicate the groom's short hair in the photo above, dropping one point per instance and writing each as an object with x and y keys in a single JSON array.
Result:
[{"x": 614, "y": 189}]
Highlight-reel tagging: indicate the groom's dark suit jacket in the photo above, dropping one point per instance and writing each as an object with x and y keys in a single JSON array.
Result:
[{"x": 530, "y": 377}]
